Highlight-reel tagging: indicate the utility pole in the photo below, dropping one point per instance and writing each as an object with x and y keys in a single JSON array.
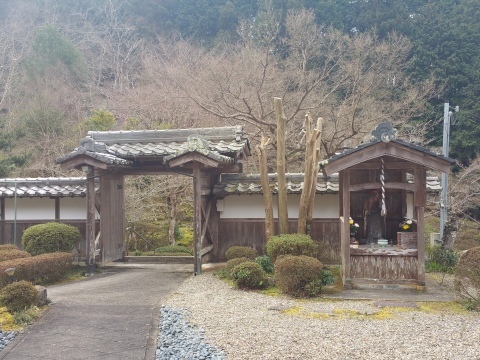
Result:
[{"x": 447, "y": 114}]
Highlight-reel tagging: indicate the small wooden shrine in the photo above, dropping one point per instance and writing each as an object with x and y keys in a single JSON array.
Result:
[{"x": 375, "y": 181}]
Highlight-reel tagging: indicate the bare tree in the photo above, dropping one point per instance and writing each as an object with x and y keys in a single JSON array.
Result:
[{"x": 355, "y": 82}]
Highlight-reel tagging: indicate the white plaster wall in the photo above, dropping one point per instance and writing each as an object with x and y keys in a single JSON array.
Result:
[
  {"x": 44, "y": 209},
  {"x": 74, "y": 208},
  {"x": 30, "y": 209},
  {"x": 252, "y": 207}
]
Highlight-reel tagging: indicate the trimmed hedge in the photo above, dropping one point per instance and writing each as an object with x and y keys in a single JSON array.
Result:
[
  {"x": 290, "y": 244},
  {"x": 45, "y": 268},
  {"x": 249, "y": 275},
  {"x": 8, "y": 247},
  {"x": 299, "y": 276},
  {"x": 13, "y": 254},
  {"x": 49, "y": 238},
  {"x": 241, "y": 251},
  {"x": 19, "y": 296}
]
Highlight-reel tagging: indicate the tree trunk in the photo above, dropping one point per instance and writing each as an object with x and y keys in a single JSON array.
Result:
[
  {"x": 282, "y": 183},
  {"x": 267, "y": 194},
  {"x": 310, "y": 173}
]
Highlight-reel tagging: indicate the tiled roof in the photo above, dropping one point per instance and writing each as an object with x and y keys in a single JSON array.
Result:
[
  {"x": 44, "y": 187},
  {"x": 224, "y": 144},
  {"x": 243, "y": 184},
  {"x": 230, "y": 184}
]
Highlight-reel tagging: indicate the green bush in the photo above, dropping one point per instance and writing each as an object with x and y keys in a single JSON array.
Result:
[
  {"x": 41, "y": 269},
  {"x": 13, "y": 254},
  {"x": 225, "y": 273},
  {"x": 443, "y": 260},
  {"x": 299, "y": 276},
  {"x": 265, "y": 262},
  {"x": 467, "y": 277},
  {"x": 19, "y": 296},
  {"x": 249, "y": 275},
  {"x": 49, "y": 238},
  {"x": 241, "y": 251},
  {"x": 290, "y": 244}
]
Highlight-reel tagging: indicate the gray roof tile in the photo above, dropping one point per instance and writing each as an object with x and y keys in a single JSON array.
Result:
[
  {"x": 44, "y": 187},
  {"x": 243, "y": 184},
  {"x": 225, "y": 144}
]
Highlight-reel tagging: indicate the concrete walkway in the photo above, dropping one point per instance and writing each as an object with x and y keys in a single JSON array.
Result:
[{"x": 112, "y": 315}]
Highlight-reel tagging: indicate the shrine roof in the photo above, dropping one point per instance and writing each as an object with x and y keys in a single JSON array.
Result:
[{"x": 384, "y": 142}]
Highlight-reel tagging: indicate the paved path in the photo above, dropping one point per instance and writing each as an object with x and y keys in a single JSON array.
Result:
[{"x": 113, "y": 315}]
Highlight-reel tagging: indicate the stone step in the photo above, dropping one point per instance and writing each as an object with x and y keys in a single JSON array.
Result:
[
  {"x": 364, "y": 284},
  {"x": 159, "y": 259}
]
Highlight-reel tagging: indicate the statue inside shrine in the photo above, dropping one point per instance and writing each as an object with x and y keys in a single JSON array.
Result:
[{"x": 373, "y": 228}]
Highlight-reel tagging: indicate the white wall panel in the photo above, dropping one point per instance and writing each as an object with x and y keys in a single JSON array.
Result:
[{"x": 252, "y": 207}]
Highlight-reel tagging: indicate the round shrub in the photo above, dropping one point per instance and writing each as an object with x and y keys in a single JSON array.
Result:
[
  {"x": 467, "y": 277},
  {"x": 241, "y": 251},
  {"x": 49, "y": 238},
  {"x": 234, "y": 262},
  {"x": 249, "y": 275},
  {"x": 290, "y": 244},
  {"x": 265, "y": 262},
  {"x": 299, "y": 276},
  {"x": 19, "y": 296}
]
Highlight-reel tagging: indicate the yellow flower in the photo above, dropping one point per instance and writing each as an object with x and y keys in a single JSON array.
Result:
[
  {"x": 350, "y": 221},
  {"x": 405, "y": 227}
]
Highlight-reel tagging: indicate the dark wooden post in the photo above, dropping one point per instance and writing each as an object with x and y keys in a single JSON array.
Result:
[
  {"x": 90, "y": 233},
  {"x": 420, "y": 201},
  {"x": 345, "y": 233},
  {"x": 57, "y": 208},
  {"x": 2, "y": 220},
  {"x": 197, "y": 217}
]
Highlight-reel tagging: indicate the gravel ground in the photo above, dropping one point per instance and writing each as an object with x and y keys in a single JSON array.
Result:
[
  {"x": 6, "y": 337},
  {"x": 249, "y": 325}
]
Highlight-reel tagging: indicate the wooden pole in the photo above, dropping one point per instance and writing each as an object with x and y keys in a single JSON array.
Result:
[
  {"x": 345, "y": 234},
  {"x": 197, "y": 218},
  {"x": 281, "y": 159},
  {"x": 267, "y": 195},
  {"x": 310, "y": 174},
  {"x": 90, "y": 238},
  {"x": 2, "y": 220}
]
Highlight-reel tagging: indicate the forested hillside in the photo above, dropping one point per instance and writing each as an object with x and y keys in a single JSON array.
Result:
[{"x": 68, "y": 66}]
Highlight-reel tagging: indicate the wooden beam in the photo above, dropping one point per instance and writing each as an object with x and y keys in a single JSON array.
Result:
[
  {"x": 378, "y": 185},
  {"x": 345, "y": 234},
  {"x": 420, "y": 210},
  {"x": 77, "y": 161},
  {"x": 389, "y": 165},
  {"x": 420, "y": 179},
  {"x": 90, "y": 233},
  {"x": 192, "y": 157},
  {"x": 57, "y": 208},
  {"x": 2, "y": 220},
  {"x": 206, "y": 250},
  {"x": 205, "y": 219},
  {"x": 197, "y": 217}
]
